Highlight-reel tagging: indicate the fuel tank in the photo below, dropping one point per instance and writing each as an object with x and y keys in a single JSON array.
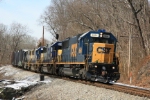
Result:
[{"x": 70, "y": 71}]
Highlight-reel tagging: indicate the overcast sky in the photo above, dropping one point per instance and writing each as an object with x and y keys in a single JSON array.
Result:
[{"x": 25, "y": 12}]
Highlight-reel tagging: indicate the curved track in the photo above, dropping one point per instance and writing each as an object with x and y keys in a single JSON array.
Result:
[{"x": 121, "y": 88}]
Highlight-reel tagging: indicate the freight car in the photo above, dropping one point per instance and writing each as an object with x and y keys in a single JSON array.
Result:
[{"x": 89, "y": 56}]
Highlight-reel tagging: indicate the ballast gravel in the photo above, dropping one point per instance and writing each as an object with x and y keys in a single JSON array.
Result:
[{"x": 58, "y": 89}]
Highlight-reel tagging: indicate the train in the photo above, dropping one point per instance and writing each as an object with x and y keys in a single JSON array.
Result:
[{"x": 89, "y": 56}]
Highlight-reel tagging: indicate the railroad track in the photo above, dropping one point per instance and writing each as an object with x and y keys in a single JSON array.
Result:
[
  {"x": 132, "y": 90},
  {"x": 121, "y": 88}
]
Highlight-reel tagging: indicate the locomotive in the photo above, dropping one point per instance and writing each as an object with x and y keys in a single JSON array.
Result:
[{"x": 89, "y": 56}]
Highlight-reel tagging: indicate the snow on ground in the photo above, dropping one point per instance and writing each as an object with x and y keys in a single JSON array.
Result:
[
  {"x": 20, "y": 74},
  {"x": 14, "y": 81},
  {"x": 22, "y": 84},
  {"x": 133, "y": 86},
  {"x": 58, "y": 89}
]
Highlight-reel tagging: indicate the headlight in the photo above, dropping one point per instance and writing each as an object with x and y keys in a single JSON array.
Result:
[
  {"x": 113, "y": 67},
  {"x": 104, "y": 68},
  {"x": 101, "y": 34},
  {"x": 95, "y": 66}
]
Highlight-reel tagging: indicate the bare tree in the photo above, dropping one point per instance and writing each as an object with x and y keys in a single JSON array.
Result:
[
  {"x": 3, "y": 40},
  {"x": 30, "y": 44},
  {"x": 135, "y": 10},
  {"x": 14, "y": 39},
  {"x": 40, "y": 41},
  {"x": 17, "y": 32}
]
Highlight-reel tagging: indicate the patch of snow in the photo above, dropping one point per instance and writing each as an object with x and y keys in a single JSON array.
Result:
[
  {"x": 24, "y": 79},
  {"x": 18, "y": 85},
  {"x": 8, "y": 70},
  {"x": 21, "y": 84},
  {"x": 32, "y": 78},
  {"x": 133, "y": 86},
  {"x": 6, "y": 82},
  {"x": 46, "y": 81}
]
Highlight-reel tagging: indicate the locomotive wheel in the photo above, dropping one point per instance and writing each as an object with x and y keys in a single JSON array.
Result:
[
  {"x": 60, "y": 72},
  {"x": 106, "y": 81},
  {"x": 24, "y": 67},
  {"x": 84, "y": 75},
  {"x": 29, "y": 68}
]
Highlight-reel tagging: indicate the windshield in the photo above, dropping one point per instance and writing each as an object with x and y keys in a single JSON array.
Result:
[{"x": 101, "y": 40}]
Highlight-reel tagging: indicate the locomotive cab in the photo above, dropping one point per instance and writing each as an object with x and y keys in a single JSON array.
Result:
[
  {"x": 56, "y": 51},
  {"x": 41, "y": 54}
]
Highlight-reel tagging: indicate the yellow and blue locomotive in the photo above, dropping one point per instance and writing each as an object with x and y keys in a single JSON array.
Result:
[{"x": 89, "y": 56}]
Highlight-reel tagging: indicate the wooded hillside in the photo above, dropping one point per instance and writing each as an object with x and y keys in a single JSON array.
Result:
[{"x": 124, "y": 18}]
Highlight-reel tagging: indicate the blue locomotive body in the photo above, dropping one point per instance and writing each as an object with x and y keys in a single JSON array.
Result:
[{"x": 90, "y": 56}]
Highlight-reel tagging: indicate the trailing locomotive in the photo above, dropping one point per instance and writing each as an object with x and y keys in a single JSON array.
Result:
[{"x": 89, "y": 56}]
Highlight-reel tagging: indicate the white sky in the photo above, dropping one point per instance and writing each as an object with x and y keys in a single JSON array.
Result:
[{"x": 25, "y": 12}]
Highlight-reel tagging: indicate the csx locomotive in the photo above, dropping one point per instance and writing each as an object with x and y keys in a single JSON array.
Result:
[{"x": 89, "y": 56}]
